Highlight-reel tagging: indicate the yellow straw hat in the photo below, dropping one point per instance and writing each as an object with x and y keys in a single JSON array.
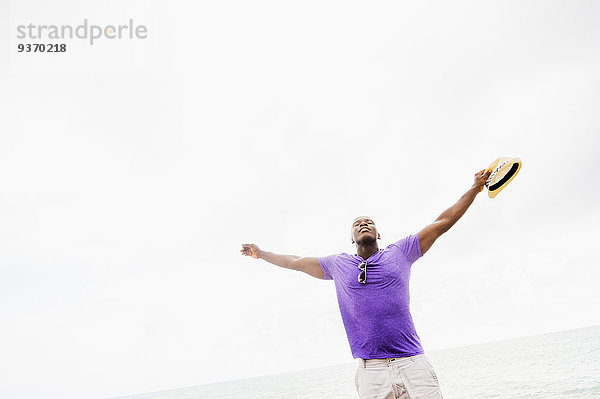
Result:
[{"x": 503, "y": 171}]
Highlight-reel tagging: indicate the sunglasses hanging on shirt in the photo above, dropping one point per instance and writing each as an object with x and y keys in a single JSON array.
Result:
[{"x": 362, "y": 276}]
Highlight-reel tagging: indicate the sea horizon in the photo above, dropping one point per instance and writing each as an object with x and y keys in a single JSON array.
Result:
[{"x": 439, "y": 357}]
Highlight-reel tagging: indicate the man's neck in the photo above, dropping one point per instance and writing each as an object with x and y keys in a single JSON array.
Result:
[{"x": 367, "y": 249}]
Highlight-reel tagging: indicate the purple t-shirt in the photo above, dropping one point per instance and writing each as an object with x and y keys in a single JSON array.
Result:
[{"x": 376, "y": 315}]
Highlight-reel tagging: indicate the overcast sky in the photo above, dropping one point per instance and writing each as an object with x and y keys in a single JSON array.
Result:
[{"x": 125, "y": 194}]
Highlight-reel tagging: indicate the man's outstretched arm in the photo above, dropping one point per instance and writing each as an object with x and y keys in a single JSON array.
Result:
[
  {"x": 442, "y": 224},
  {"x": 308, "y": 265}
]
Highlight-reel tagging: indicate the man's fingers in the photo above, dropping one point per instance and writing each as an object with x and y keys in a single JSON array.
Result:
[{"x": 247, "y": 249}]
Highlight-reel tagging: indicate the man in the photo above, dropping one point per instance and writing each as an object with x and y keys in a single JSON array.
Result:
[{"x": 373, "y": 297}]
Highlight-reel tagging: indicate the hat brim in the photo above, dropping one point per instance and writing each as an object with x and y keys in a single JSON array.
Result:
[{"x": 504, "y": 171}]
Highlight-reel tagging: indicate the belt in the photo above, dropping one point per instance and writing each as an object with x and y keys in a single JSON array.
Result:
[{"x": 388, "y": 361}]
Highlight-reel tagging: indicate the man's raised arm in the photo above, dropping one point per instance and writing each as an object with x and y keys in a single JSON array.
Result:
[
  {"x": 442, "y": 224},
  {"x": 308, "y": 265}
]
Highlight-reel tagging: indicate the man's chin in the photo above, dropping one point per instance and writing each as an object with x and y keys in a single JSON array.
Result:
[{"x": 366, "y": 240}]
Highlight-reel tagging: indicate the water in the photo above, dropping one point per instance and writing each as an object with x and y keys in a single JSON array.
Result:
[{"x": 558, "y": 365}]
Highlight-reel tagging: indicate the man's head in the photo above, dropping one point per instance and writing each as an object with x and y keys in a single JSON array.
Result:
[{"x": 364, "y": 231}]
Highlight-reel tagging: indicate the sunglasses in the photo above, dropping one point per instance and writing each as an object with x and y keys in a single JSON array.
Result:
[{"x": 362, "y": 276}]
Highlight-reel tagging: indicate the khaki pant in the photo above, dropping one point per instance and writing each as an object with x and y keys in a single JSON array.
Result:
[{"x": 397, "y": 378}]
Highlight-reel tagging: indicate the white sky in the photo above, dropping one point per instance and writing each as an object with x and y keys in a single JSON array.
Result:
[{"x": 124, "y": 198}]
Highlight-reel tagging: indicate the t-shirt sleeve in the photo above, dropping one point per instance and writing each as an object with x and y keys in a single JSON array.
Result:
[
  {"x": 327, "y": 263},
  {"x": 410, "y": 246}
]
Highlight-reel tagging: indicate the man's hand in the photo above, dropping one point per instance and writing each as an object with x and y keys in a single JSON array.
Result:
[
  {"x": 480, "y": 179},
  {"x": 250, "y": 250}
]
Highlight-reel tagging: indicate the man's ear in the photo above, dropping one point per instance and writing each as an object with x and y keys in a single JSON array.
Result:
[{"x": 378, "y": 236}]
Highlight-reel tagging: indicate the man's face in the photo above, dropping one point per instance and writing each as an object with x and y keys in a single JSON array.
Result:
[{"x": 364, "y": 230}]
